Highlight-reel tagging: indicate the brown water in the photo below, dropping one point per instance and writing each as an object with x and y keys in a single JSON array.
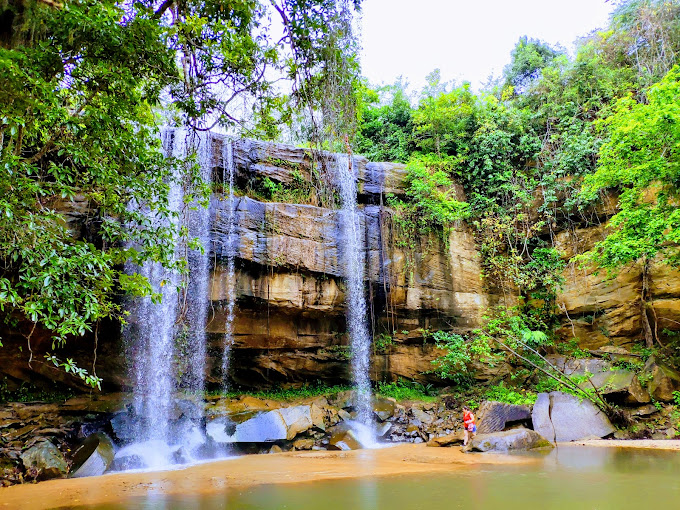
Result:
[{"x": 569, "y": 478}]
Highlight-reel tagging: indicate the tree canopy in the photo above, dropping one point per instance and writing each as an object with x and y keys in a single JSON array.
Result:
[
  {"x": 86, "y": 85},
  {"x": 556, "y": 135}
]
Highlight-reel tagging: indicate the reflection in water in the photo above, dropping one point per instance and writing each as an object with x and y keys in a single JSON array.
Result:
[
  {"x": 569, "y": 478},
  {"x": 367, "y": 493},
  {"x": 155, "y": 500}
]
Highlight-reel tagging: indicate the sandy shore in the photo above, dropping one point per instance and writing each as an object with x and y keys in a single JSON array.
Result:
[
  {"x": 215, "y": 477},
  {"x": 249, "y": 470},
  {"x": 630, "y": 443}
]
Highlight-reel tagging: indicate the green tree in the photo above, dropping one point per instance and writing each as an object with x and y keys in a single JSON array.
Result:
[
  {"x": 385, "y": 126},
  {"x": 84, "y": 83},
  {"x": 641, "y": 159},
  {"x": 528, "y": 58},
  {"x": 443, "y": 118}
]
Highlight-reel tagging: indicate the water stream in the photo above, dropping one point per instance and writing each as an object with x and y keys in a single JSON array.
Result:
[
  {"x": 168, "y": 358},
  {"x": 230, "y": 249},
  {"x": 169, "y": 338},
  {"x": 197, "y": 293},
  {"x": 153, "y": 334},
  {"x": 354, "y": 264}
]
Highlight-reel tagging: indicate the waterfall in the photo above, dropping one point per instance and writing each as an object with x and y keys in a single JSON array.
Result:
[
  {"x": 154, "y": 332},
  {"x": 230, "y": 248},
  {"x": 354, "y": 257},
  {"x": 197, "y": 293},
  {"x": 166, "y": 429}
]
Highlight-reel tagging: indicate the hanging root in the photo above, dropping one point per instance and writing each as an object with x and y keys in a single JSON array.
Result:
[{"x": 28, "y": 342}]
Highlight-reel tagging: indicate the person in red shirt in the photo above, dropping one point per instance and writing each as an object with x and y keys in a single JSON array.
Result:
[{"x": 468, "y": 425}]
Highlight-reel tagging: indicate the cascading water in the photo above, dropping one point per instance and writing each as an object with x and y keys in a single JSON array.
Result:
[
  {"x": 217, "y": 429},
  {"x": 167, "y": 428},
  {"x": 230, "y": 248},
  {"x": 153, "y": 337},
  {"x": 197, "y": 293},
  {"x": 354, "y": 255}
]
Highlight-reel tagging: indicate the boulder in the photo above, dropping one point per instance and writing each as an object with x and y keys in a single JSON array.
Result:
[
  {"x": 284, "y": 423},
  {"x": 448, "y": 440},
  {"x": 124, "y": 426},
  {"x": 647, "y": 410},
  {"x": 383, "y": 407},
  {"x": 241, "y": 409},
  {"x": 249, "y": 403},
  {"x": 382, "y": 429},
  {"x": 296, "y": 419},
  {"x": 344, "y": 439},
  {"x": 561, "y": 417},
  {"x": 317, "y": 414},
  {"x": 127, "y": 463},
  {"x": 304, "y": 443},
  {"x": 344, "y": 399},
  {"x": 422, "y": 416},
  {"x": 93, "y": 457},
  {"x": 220, "y": 429},
  {"x": 662, "y": 380},
  {"x": 514, "y": 439},
  {"x": 44, "y": 460},
  {"x": 496, "y": 416},
  {"x": 621, "y": 385},
  {"x": 265, "y": 427}
]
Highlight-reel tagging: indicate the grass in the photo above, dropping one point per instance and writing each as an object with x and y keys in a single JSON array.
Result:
[
  {"x": 407, "y": 390},
  {"x": 500, "y": 393},
  {"x": 288, "y": 394},
  {"x": 401, "y": 390}
]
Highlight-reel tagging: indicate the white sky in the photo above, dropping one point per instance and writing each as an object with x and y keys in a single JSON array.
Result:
[{"x": 466, "y": 39}]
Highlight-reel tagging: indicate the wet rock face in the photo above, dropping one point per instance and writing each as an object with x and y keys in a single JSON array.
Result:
[
  {"x": 290, "y": 315},
  {"x": 605, "y": 311},
  {"x": 562, "y": 417},
  {"x": 290, "y": 263},
  {"x": 93, "y": 457}
]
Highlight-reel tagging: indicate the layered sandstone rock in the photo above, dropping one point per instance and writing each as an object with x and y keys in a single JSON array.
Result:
[
  {"x": 290, "y": 296},
  {"x": 602, "y": 309},
  {"x": 290, "y": 318}
]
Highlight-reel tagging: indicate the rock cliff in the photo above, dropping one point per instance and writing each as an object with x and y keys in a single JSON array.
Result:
[
  {"x": 601, "y": 309},
  {"x": 290, "y": 296},
  {"x": 290, "y": 319}
]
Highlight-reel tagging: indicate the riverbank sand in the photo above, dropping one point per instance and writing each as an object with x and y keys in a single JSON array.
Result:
[{"x": 249, "y": 470}]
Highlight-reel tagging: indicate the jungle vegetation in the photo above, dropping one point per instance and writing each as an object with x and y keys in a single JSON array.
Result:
[{"x": 547, "y": 148}]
